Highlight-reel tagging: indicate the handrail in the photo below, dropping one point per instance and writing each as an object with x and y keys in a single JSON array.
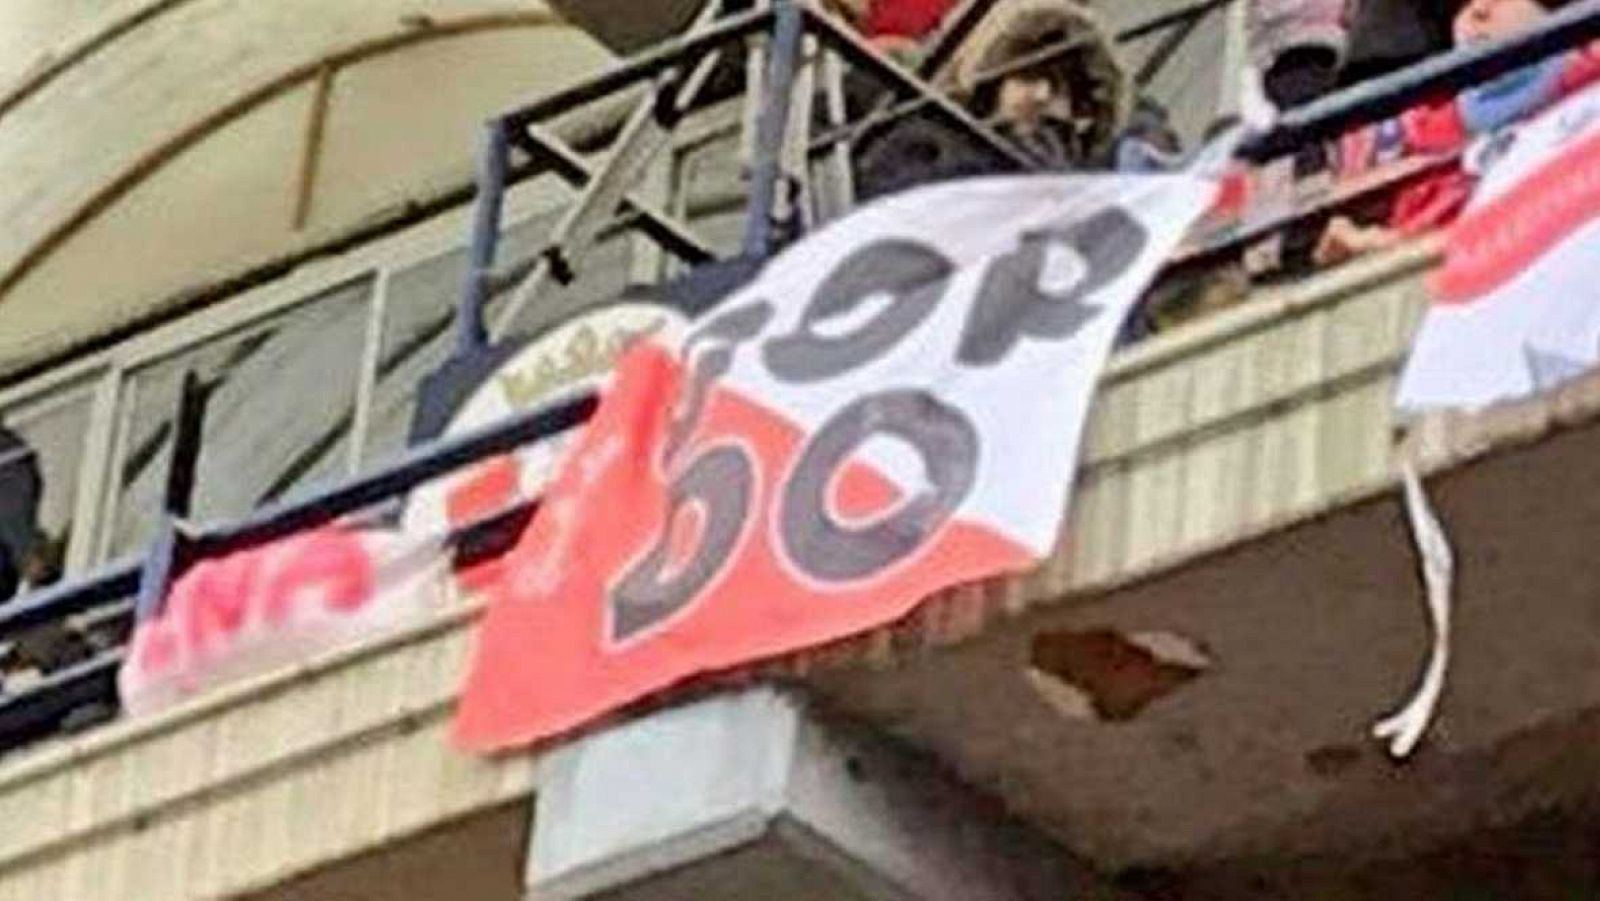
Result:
[
  {"x": 1392, "y": 94},
  {"x": 1323, "y": 119}
]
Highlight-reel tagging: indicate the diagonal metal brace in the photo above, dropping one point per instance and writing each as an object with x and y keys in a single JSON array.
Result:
[
  {"x": 608, "y": 188},
  {"x": 854, "y": 48}
]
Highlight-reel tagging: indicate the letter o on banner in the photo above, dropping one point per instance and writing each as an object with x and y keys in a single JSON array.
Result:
[{"x": 828, "y": 550}]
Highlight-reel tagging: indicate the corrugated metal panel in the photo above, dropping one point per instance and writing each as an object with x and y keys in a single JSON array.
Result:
[{"x": 1270, "y": 413}]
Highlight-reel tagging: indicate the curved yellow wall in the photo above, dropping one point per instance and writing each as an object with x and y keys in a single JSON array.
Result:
[{"x": 157, "y": 145}]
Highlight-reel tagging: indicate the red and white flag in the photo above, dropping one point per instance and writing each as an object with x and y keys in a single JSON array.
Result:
[
  {"x": 260, "y": 609},
  {"x": 892, "y": 407},
  {"x": 1517, "y": 301}
]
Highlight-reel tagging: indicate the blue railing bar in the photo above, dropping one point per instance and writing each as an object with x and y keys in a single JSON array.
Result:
[
  {"x": 471, "y": 330},
  {"x": 36, "y": 712},
  {"x": 644, "y": 66},
  {"x": 118, "y": 581},
  {"x": 1448, "y": 73},
  {"x": 415, "y": 468},
  {"x": 159, "y": 568},
  {"x": 766, "y": 170}
]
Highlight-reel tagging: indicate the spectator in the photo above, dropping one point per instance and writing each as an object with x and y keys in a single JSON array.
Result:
[
  {"x": 1450, "y": 125},
  {"x": 1386, "y": 35},
  {"x": 1068, "y": 110},
  {"x": 1149, "y": 143},
  {"x": 22, "y": 543},
  {"x": 28, "y": 559},
  {"x": 1065, "y": 111},
  {"x": 1298, "y": 47}
]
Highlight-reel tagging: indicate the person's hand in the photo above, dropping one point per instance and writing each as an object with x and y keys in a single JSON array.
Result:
[
  {"x": 899, "y": 48},
  {"x": 1344, "y": 239}
]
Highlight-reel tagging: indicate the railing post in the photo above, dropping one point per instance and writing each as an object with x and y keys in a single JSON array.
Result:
[
  {"x": 766, "y": 170},
  {"x": 187, "y": 435},
  {"x": 472, "y": 331}
]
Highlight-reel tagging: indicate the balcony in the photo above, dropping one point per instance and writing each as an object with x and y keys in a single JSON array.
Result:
[
  {"x": 1238, "y": 493},
  {"x": 1254, "y": 453}
]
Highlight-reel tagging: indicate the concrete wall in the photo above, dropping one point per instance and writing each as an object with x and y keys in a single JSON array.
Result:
[{"x": 154, "y": 146}]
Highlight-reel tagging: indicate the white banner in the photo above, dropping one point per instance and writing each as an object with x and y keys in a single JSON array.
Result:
[{"x": 1516, "y": 309}]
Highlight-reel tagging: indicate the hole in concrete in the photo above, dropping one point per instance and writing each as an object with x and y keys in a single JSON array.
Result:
[{"x": 1104, "y": 675}]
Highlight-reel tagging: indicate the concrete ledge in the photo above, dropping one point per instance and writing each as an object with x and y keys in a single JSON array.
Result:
[
  {"x": 748, "y": 796},
  {"x": 253, "y": 784}
]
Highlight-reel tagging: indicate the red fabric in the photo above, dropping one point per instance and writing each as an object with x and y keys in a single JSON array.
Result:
[
  {"x": 1431, "y": 203},
  {"x": 1499, "y": 241},
  {"x": 549, "y": 657},
  {"x": 1582, "y": 69},
  {"x": 1434, "y": 127},
  {"x": 906, "y": 18},
  {"x": 1438, "y": 128}
]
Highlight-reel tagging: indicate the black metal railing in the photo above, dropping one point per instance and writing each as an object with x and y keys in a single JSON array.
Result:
[{"x": 112, "y": 592}]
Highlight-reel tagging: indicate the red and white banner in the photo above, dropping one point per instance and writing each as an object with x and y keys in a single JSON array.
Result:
[
  {"x": 261, "y": 609},
  {"x": 574, "y": 356},
  {"x": 1515, "y": 304},
  {"x": 892, "y": 407}
]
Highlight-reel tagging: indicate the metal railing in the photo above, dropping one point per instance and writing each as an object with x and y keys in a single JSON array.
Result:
[{"x": 669, "y": 69}]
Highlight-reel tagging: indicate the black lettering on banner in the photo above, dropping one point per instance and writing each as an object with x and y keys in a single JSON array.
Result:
[
  {"x": 728, "y": 330},
  {"x": 720, "y": 483},
  {"x": 1012, "y": 304},
  {"x": 831, "y": 551},
  {"x": 913, "y": 275}
]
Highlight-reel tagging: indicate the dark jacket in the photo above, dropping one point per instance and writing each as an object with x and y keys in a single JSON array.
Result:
[{"x": 20, "y": 488}]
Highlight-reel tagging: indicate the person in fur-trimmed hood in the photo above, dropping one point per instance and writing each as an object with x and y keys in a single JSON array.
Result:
[{"x": 1067, "y": 110}]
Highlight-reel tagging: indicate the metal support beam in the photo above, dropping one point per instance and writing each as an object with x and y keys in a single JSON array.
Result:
[
  {"x": 836, "y": 193},
  {"x": 493, "y": 160},
  {"x": 1170, "y": 42},
  {"x": 852, "y": 47},
  {"x": 766, "y": 170},
  {"x": 647, "y": 132},
  {"x": 719, "y": 798},
  {"x": 669, "y": 232},
  {"x": 187, "y": 434}
]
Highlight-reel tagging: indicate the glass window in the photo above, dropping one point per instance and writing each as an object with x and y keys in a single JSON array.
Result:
[
  {"x": 710, "y": 193},
  {"x": 281, "y": 400},
  {"x": 41, "y": 449},
  {"x": 419, "y": 320}
]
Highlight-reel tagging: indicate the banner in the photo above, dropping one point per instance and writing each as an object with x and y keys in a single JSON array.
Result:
[
  {"x": 569, "y": 358},
  {"x": 260, "y": 609},
  {"x": 1514, "y": 310},
  {"x": 893, "y": 406}
]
